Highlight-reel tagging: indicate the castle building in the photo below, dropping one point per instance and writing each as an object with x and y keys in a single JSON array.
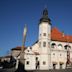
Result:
[{"x": 52, "y": 50}]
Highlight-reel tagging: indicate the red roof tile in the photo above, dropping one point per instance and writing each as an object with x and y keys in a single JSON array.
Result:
[
  {"x": 56, "y": 35},
  {"x": 17, "y": 48}
]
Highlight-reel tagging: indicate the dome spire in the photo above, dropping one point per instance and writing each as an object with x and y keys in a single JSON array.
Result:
[
  {"x": 44, "y": 17},
  {"x": 45, "y": 13}
]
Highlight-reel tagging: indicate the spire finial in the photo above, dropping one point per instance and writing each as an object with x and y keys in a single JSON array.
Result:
[
  {"x": 45, "y": 17},
  {"x": 45, "y": 12}
]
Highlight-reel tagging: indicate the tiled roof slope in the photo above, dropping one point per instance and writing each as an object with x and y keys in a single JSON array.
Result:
[
  {"x": 56, "y": 35},
  {"x": 17, "y": 48}
]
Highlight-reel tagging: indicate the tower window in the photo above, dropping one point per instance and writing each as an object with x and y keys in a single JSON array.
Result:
[
  {"x": 27, "y": 62},
  {"x": 44, "y": 34},
  {"x": 44, "y": 44}
]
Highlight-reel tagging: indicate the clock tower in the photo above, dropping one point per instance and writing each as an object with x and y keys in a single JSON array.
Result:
[{"x": 44, "y": 40}]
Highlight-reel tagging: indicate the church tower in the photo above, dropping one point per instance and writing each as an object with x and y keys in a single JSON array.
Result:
[{"x": 44, "y": 41}]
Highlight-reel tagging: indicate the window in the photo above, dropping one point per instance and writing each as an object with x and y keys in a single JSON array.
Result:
[
  {"x": 27, "y": 62},
  {"x": 36, "y": 58},
  {"x": 44, "y": 44},
  {"x": 28, "y": 50},
  {"x": 53, "y": 53},
  {"x": 30, "y": 47},
  {"x": 67, "y": 46},
  {"x": 53, "y": 45},
  {"x": 44, "y": 34},
  {"x": 44, "y": 62},
  {"x": 60, "y": 46}
]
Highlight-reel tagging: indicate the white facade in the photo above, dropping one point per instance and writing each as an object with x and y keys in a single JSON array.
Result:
[
  {"x": 49, "y": 56},
  {"x": 46, "y": 53}
]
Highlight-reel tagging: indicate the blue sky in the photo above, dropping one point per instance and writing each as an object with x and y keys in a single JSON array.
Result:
[{"x": 14, "y": 14}]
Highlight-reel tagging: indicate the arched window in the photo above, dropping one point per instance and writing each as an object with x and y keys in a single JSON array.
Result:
[
  {"x": 60, "y": 46},
  {"x": 53, "y": 45},
  {"x": 67, "y": 46}
]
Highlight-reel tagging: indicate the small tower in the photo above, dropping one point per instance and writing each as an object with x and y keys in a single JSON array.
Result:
[{"x": 44, "y": 40}]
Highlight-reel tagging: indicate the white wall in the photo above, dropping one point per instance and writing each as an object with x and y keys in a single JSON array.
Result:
[
  {"x": 31, "y": 59},
  {"x": 60, "y": 54}
]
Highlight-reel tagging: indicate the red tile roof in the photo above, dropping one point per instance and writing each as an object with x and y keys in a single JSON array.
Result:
[
  {"x": 56, "y": 35},
  {"x": 17, "y": 48}
]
